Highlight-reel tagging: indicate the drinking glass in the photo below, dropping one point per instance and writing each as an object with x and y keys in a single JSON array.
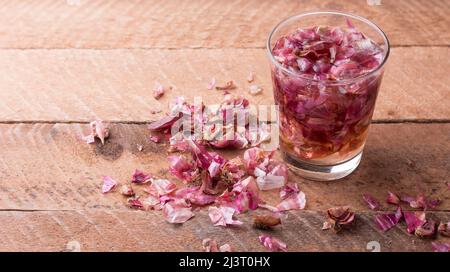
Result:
[{"x": 324, "y": 123}]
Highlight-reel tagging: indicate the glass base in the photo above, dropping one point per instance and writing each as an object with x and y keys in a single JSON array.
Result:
[{"x": 322, "y": 172}]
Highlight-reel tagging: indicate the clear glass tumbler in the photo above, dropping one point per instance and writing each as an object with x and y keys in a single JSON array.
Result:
[{"x": 324, "y": 122}]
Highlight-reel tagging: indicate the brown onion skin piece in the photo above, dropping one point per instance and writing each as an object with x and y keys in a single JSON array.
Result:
[
  {"x": 427, "y": 230},
  {"x": 229, "y": 85},
  {"x": 339, "y": 217},
  {"x": 265, "y": 222},
  {"x": 127, "y": 190},
  {"x": 212, "y": 186},
  {"x": 134, "y": 203},
  {"x": 444, "y": 229},
  {"x": 210, "y": 245},
  {"x": 342, "y": 215}
]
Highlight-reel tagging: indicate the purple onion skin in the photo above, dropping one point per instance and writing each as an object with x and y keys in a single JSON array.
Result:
[{"x": 326, "y": 124}]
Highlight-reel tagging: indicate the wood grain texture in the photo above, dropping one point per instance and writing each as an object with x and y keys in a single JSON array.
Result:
[
  {"x": 48, "y": 167},
  {"x": 50, "y": 179},
  {"x": 148, "y": 231},
  {"x": 199, "y": 23},
  {"x": 77, "y": 85}
]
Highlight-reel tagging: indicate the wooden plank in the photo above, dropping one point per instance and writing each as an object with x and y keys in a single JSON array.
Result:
[
  {"x": 48, "y": 167},
  {"x": 199, "y": 23},
  {"x": 76, "y": 85},
  {"x": 148, "y": 231}
]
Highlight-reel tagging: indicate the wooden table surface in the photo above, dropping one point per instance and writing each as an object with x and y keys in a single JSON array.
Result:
[{"x": 65, "y": 62}]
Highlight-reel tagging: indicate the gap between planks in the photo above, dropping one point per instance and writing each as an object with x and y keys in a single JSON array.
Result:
[
  {"x": 131, "y": 122},
  {"x": 126, "y": 209},
  {"x": 139, "y": 231},
  {"x": 201, "y": 23},
  {"x": 191, "y": 48}
]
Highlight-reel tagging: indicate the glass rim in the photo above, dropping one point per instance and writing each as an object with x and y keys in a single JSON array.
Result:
[{"x": 329, "y": 82}]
